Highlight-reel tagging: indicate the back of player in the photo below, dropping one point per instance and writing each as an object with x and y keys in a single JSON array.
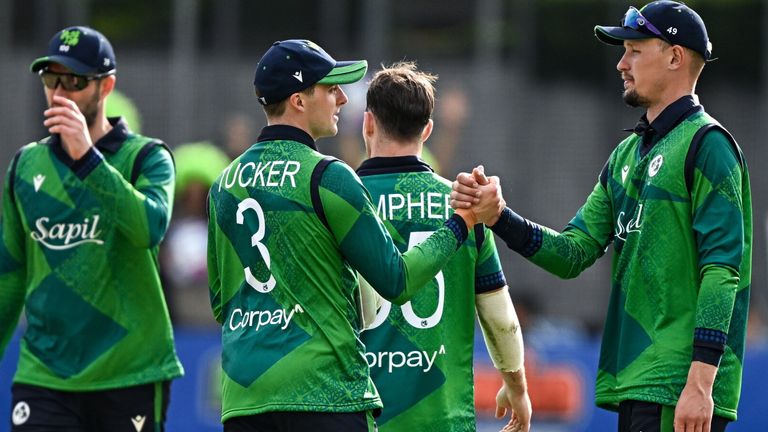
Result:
[
  {"x": 420, "y": 353},
  {"x": 287, "y": 233}
]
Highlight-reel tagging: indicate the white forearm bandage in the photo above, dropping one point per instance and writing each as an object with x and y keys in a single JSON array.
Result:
[
  {"x": 501, "y": 329},
  {"x": 369, "y": 302}
]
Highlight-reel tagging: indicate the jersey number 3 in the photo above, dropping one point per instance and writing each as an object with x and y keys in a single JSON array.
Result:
[{"x": 256, "y": 238}]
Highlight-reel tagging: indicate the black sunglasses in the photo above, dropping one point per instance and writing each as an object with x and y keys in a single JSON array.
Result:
[{"x": 69, "y": 81}]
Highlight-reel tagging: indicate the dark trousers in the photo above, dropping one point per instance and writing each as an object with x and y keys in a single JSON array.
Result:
[
  {"x": 139, "y": 408},
  {"x": 281, "y": 421},
  {"x": 636, "y": 416}
]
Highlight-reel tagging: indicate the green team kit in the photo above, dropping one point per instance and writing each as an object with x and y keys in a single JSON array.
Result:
[
  {"x": 79, "y": 254},
  {"x": 680, "y": 222},
  {"x": 286, "y": 234},
  {"x": 420, "y": 353}
]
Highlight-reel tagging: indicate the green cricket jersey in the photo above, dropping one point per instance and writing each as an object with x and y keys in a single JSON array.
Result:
[
  {"x": 420, "y": 353},
  {"x": 79, "y": 254},
  {"x": 681, "y": 263},
  {"x": 283, "y": 284}
]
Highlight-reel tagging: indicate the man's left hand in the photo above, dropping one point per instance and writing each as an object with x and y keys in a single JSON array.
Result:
[{"x": 695, "y": 407}]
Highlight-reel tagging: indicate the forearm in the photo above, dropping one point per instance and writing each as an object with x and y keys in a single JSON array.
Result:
[
  {"x": 564, "y": 254},
  {"x": 408, "y": 272},
  {"x": 214, "y": 278},
  {"x": 12, "y": 270},
  {"x": 501, "y": 330},
  {"x": 141, "y": 215},
  {"x": 714, "y": 309},
  {"x": 11, "y": 304}
]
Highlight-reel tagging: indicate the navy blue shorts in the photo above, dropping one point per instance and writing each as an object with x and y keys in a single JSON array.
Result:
[
  {"x": 282, "y": 421},
  {"x": 132, "y": 409}
]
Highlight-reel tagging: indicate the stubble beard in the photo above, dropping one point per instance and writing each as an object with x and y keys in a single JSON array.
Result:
[
  {"x": 633, "y": 99},
  {"x": 91, "y": 108}
]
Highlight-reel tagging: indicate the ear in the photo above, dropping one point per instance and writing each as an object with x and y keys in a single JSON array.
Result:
[
  {"x": 425, "y": 134},
  {"x": 369, "y": 128},
  {"x": 369, "y": 125},
  {"x": 678, "y": 57},
  {"x": 107, "y": 85},
  {"x": 296, "y": 101}
]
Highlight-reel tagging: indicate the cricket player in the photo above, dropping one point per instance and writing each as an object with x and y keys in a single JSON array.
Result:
[
  {"x": 674, "y": 200},
  {"x": 83, "y": 213},
  {"x": 288, "y": 231},
  {"x": 420, "y": 353}
]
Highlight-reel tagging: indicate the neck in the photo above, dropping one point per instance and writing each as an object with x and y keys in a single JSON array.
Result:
[
  {"x": 99, "y": 128},
  {"x": 670, "y": 97},
  {"x": 288, "y": 120},
  {"x": 392, "y": 148}
]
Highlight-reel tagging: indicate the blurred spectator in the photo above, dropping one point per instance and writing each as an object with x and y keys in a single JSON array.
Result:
[
  {"x": 183, "y": 255},
  {"x": 451, "y": 113},
  {"x": 349, "y": 143},
  {"x": 238, "y": 133}
]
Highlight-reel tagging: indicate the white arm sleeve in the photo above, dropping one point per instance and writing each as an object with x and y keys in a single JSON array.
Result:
[
  {"x": 369, "y": 302},
  {"x": 501, "y": 329}
]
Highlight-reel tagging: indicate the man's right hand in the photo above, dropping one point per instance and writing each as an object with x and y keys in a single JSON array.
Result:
[
  {"x": 479, "y": 194},
  {"x": 64, "y": 118}
]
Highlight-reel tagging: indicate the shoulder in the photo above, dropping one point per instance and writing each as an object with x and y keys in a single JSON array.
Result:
[
  {"x": 339, "y": 171},
  {"x": 30, "y": 150}
]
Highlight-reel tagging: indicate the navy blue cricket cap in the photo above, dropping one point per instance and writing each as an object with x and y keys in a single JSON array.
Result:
[
  {"x": 82, "y": 50},
  {"x": 668, "y": 20},
  {"x": 293, "y": 65}
]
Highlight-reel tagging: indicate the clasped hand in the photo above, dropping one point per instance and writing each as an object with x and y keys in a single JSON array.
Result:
[{"x": 478, "y": 194}]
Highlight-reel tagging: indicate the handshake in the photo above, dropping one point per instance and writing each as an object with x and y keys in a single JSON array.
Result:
[{"x": 477, "y": 198}]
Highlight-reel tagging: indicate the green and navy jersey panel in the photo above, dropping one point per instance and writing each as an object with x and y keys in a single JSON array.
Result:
[
  {"x": 283, "y": 285},
  {"x": 420, "y": 353},
  {"x": 80, "y": 255},
  {"x": 678, "y": 252}
]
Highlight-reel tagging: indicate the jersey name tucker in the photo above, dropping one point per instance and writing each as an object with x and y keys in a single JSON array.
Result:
[{"x": 264, "y": 174}]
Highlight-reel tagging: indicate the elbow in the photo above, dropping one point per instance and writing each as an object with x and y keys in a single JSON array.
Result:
[
  {"x": 567, "y": 272},
  {"x": 156, "y": 232},
  {"x": 399, "y": 300}
]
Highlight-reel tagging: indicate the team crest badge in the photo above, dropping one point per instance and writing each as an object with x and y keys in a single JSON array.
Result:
[
  {"x": 20, "y": 414},
  {"x": 655, "y": 166}
]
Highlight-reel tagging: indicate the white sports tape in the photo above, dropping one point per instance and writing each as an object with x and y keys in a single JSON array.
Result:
[{"x": 501, "y": 329}]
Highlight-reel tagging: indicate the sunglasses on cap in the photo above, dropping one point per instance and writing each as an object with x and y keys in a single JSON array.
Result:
[
  {"x": 69, "y": 81},
  {"x": 636, "y": 21}
]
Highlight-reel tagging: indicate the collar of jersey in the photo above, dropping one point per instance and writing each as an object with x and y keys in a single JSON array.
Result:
[
  {"x": 394, "y": 164},
  {"x": 672, "y": 116},
  {"x": 286, "y": 133}
]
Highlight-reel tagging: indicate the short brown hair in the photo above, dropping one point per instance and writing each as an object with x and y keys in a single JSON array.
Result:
[
  {"x": 278, "y": 109},
  {"x": 402, "y": 99}
]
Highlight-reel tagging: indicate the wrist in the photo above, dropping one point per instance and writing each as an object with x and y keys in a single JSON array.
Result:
[
  {"x": 468, "y": 216},
  {"x": 702, "y": 376},
  {"x": 515, "y": 381}
]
